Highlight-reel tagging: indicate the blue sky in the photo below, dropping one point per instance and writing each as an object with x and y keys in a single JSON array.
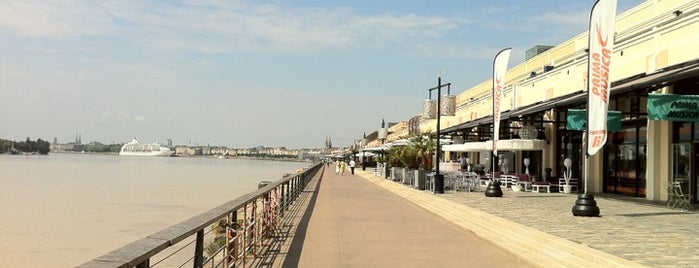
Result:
[{"x": 248, "y": 73}]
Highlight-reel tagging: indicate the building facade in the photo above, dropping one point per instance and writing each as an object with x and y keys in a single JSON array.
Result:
[{"x": 656, "y": 53}]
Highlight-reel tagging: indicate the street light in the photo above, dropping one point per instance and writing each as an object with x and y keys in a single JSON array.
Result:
[
  {"x": 382, "y": 136},
  {"x": 364, "y": 151},
  {"x": 383, "y": 133},
  {"x": 438, "y": 178}
]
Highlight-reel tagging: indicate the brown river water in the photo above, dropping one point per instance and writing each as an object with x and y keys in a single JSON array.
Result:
[{"x": 62, "y": 210}]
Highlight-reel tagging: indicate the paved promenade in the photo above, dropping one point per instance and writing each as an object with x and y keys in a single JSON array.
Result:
[
  {"x": 356, "y": 224},
  {"x": 644, "y": 233},
  {"x": 367, "y": 221}
]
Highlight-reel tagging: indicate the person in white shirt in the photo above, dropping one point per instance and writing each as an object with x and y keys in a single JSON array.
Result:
[{"x": 352, "y": 164}]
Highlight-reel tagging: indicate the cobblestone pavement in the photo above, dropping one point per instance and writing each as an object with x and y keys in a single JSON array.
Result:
[{"x": 647, "y": 233}]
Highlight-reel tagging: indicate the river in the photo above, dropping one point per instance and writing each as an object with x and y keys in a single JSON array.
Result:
[{"x": 62, "y": 210}]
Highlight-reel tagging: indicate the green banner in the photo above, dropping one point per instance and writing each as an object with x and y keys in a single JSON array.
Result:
[
  {"x": 673, "y": 107},
  {"x": 577, "y": 120}
]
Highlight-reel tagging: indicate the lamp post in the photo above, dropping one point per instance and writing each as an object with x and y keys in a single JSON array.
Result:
[
  {"x": 364, "y": 151},
  {"x": 438, "y": 178},
  {"x": 382, "y": 137}
]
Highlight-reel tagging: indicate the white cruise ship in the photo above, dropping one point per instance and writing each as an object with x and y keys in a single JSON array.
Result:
[{"x": 152, "y": 149}]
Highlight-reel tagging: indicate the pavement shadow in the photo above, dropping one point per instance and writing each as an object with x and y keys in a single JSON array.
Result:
[
  {"x": 655, "y": 214},
  {"x": 294, "y": 254}
]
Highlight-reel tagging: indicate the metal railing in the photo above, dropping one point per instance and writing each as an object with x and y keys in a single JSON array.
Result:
[{"x": 233, "y": 231}]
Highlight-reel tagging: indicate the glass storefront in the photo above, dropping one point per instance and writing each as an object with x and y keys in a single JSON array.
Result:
[
  {"x": 626, "y": 162},
  {"x": 685, "y": 156},
  {"x": 625, "y": 152}
]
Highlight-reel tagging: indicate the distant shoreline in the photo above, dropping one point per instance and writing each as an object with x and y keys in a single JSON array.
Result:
[{"x": 199, "y": 156}]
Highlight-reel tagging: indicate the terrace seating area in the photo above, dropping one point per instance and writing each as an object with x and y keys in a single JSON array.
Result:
[{"x": 478, "y": 181}]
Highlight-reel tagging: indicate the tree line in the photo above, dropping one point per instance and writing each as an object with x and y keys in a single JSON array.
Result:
[
  {"x": 98, "y": 148},
  {"x": 28, "y": 146}
]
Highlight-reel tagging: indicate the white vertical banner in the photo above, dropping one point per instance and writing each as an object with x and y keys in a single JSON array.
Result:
[
  {"x": 601, "y": 45},
  {"x": 499, "y": 71}
]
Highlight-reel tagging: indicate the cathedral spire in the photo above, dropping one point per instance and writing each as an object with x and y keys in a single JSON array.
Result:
[{"x": 328, "y": 142}]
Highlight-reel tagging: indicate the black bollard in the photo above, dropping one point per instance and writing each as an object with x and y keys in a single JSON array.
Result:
[
  {"x": 586, "y": 206},
  {"x": 439, "y": 183},
  {"x": 493, "y": 189}
]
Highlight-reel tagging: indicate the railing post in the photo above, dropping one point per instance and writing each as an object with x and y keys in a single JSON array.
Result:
[
  {"x": 231, "y": 237},
  {"x": 292, "y": 188},
  {"x": 266, "y": 214},
  {"x": 299, "y": 185},
  {"x": 199, "y": 250},
  {"x": 282, "y": 200}
]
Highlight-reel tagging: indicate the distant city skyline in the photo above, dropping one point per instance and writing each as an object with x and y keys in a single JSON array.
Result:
[
  {"x": 171, "y": 143},
  {"x": 249, "y": 73}
]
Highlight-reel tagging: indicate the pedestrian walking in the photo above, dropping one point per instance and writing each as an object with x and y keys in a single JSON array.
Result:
[
  {"x": 342, "y": 168},
  {"x": 337, "y": 167},
  {"x": 352, "y": 164}
]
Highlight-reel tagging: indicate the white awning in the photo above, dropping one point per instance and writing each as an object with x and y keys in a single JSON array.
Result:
[
  {"x": 376, "y": 149},
  {"x": 468, "y": 147},
  {"x": 503, "y": 145}
]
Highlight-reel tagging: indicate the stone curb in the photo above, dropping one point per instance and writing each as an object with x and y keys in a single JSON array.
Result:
[{"x": 531, "y": 245}]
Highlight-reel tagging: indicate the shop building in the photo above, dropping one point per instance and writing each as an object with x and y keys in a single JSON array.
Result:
[{"x": 655, "y": 67}]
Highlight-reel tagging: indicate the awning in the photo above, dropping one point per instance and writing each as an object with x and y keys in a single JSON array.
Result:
[
  {"x": 547, "y": 104},
  {"x": 376, "y": 149},
  {"x": 662, "y": 78},
  {"x": 520, "y": 145},
  {"x": 503, "y": 145},
  {"x": 365, "y": 153},
  {"x": 467, "y": 147},
  {"x": 673, "y": 107},
  {"x": 480, "y": 121},
  {"x": 577, "y": 120},
  {"x": 647, "y": 82}
]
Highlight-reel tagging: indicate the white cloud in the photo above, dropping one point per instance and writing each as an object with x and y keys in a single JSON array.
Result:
[
  {"x": 570, "y": 19},
  {"x": 215, "y": 27},
  {"x": 52, "y": 19}
]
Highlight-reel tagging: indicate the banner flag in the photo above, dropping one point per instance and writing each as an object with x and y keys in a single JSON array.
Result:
[
  {"x": 499, "y": 71},
  {"x": 601, "y": 45}
]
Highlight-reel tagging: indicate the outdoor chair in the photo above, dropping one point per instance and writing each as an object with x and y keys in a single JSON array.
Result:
[
  {"x": 398, "y": 177},
  {"x": 671, "y": 197},
  {"x": 408, "y": 178},
  {"x": 683, "y": 200}
]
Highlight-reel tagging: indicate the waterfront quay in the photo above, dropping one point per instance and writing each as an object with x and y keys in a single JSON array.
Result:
[{"x": 356, "y": 221}]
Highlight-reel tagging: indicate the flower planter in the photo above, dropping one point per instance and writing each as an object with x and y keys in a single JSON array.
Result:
[
  {"x": 420, "y": 178},
  {"x": 567, "y": 188},
  {"x": 408, "y": 175}
]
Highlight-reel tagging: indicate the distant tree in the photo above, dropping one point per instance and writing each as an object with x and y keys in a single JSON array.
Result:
[
  {"x": 27, "y": 146},
  {"x": 5, "y": 146},
  {"x": 42, "y": 146}
]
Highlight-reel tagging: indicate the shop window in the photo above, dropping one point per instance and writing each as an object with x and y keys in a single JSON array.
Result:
[{"x": 682, "y": 132}]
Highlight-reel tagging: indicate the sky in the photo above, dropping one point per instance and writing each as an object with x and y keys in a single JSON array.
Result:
[{"x": 241, "y": 73}]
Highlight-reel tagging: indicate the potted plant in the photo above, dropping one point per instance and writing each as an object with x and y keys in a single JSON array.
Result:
[
  {"x": 424, "y": 148},
  {"x": 567, "y": 175},
  {"x": 516, "y": 187},
  {"x": 395, "y": 162}
]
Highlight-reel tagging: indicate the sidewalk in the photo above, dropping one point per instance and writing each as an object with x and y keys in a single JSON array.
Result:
[
  {"x": 540, "y": 227},
  {"x": 356, "y": 224}
]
